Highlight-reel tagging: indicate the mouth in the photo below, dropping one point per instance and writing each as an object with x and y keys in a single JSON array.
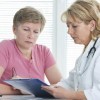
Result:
[
  {"x": 74, "y": 38},
  {"x": 29, "y": 42}
]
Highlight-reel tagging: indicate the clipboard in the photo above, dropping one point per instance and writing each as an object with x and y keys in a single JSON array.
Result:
[{"x": 31, "y": 86}]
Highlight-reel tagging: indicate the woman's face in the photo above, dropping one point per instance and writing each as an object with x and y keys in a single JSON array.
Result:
[
  {"x": 79, "y": 31},
  {"x": 27, "y": 34}
]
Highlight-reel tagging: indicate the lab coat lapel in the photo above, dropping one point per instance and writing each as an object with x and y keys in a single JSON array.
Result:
[
  {"x": 81, "y": 64},
  {"x": 83, "y": 60}
]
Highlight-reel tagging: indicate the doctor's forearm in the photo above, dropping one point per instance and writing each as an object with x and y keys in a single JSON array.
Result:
[
  {"x": 77, "y": 95},
  {"x": 80, "y": 95}
]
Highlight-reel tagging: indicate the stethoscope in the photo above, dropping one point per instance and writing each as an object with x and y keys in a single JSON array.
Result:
[
  {"x": 93, "y": 49},
  {"x": 88, "y": 61},
  {"x": 89, "y": 58}
]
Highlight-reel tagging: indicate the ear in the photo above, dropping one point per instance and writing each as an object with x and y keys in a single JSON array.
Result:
[
  {"x": 13, "y": 28},
  {"x": 92, "y": 25}
]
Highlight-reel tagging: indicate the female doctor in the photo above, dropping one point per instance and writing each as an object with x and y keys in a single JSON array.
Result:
[{"x": 83, "y": 83}]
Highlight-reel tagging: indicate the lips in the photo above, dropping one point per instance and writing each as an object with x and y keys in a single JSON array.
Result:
[
  {"x": 29, "y": 42},
  {"x": 73, "y": 37}
]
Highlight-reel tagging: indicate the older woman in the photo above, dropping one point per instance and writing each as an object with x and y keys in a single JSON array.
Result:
[{"x": 22, "y": 57}]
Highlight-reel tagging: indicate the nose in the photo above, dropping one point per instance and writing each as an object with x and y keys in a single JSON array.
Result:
[
  {"x": 30, "y": 35},
  {"x": 70, "y": 30}
]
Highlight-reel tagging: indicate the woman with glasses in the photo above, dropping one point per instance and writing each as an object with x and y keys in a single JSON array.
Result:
[{"x": 22, "y": 57}]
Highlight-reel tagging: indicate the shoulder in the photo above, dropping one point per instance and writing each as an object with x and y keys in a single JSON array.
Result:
[
  {"x": 98, "y": 44},
  {"x": 96, "y": 57},
  {"x": 6, "y": 44}
]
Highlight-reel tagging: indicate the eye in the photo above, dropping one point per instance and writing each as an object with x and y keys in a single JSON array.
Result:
[
  {"x": 74, "y": 26},
  {"x": 36, "y": 32},
  {"x": 25, "y": 29}
]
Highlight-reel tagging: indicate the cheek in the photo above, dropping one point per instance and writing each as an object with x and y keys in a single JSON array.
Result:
[
  {"x": 85, "y": 31},
  {"x": 20, "y": 36},
  {"x": 35, "y": 39}
]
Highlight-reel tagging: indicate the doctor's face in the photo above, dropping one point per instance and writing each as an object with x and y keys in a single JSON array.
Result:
[{"x": 79, "y": 31}]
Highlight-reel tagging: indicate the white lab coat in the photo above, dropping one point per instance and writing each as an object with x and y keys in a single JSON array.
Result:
[{"x": 87, "y": 80}]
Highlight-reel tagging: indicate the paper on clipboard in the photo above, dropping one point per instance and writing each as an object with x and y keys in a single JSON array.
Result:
[{"x": 31, "y": 86}]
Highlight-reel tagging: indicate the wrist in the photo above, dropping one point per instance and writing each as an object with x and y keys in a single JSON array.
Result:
[{"x": 68, "y": 94}]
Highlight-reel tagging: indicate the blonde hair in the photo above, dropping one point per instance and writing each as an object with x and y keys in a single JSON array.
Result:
[
  {"x": 28, "y": 14},
  {"x": 84, "y": 10}
]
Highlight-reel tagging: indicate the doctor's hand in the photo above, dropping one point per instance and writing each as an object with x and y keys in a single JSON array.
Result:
[
  {"x": 64, "y": 94},
  {"x": 58, "y": 92}
]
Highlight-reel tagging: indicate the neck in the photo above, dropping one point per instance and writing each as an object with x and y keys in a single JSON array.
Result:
[{"x": 26, "y": 53}]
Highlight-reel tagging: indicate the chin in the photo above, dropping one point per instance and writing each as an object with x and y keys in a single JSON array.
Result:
[{"x": 77, "y": 42}]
